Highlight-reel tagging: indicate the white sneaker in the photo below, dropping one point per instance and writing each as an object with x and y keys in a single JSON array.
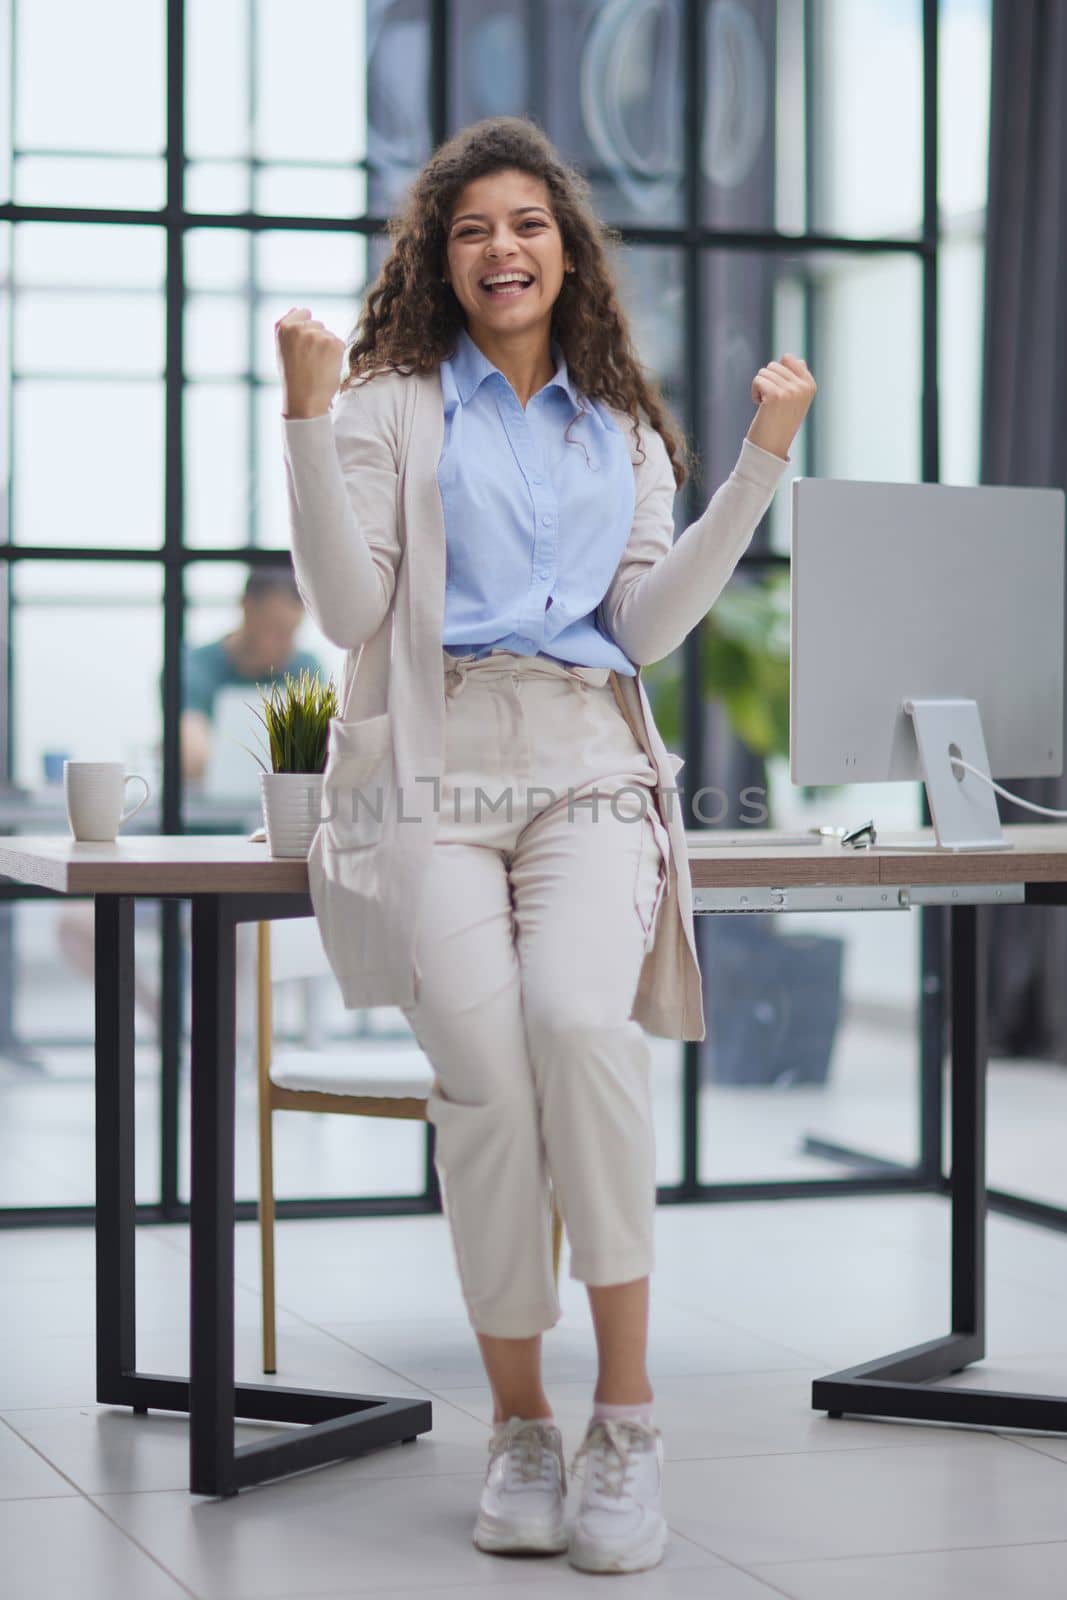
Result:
[
  {"x": 619, "y": 1526},
  {"x": 522, "y": 1502}
]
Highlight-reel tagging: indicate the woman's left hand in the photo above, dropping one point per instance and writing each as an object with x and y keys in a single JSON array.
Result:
[{"x": 783, "y": 390}]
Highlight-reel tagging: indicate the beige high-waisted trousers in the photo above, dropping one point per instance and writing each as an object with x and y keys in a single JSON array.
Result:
[{"x": 541, "y": 899}]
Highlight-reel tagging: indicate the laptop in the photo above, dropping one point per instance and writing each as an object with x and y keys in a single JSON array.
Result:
[{"x": 232, "y": 771}]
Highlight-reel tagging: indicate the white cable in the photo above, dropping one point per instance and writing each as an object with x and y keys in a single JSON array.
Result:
[{"x": 1014, "y": 798}]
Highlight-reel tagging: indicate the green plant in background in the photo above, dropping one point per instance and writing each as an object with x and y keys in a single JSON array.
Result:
[
  {"x": 744, "y": 663},
  {"x": 296, "y": 715}
]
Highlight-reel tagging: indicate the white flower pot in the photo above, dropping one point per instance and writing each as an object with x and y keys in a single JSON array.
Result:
[{"x": 292, "y": 807}]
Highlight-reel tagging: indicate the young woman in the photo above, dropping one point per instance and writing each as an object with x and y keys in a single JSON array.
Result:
[{"x": 493, "y": 397}]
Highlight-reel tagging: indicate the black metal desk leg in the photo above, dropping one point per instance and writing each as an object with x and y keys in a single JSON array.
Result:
[
  {"x": 211, "y": 1410},
  {"x": 967, "y": 976},
  {"x": 116, "y": 1305}
]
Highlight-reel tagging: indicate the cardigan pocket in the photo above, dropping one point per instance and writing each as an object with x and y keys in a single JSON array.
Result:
[{"x": 357, "y": 785}]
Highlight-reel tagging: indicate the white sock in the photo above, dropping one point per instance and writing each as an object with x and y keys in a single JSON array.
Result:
[
  {"x": 498, "y": 1427},
  {"x": 640, "y": 1410}
]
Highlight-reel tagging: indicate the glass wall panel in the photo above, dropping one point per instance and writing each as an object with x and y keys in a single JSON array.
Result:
[
  {"x": 110, "y": 488},
  {"x": 7, "y": 242},
  {"x": 651, "y": 283},
  {"x": 824, "y": 306},
  {"x": 601, "y": 79},
  {"x": 102, "y": 182},
  {"x": 47, "y": 1072},
  {"x": 864, "y": 106},
  {"x": 6, "y": 154},
  {"x": 218, "y": 84},
  {"x": 964, "y": 44},
  {"x": 238, "y": 287},
  {"x": 85, "y": 96},
  {"x": 85, "y": 658},
  {"x": 810, "y": 1066},
  {"x": 963, "y": 175},
  {"x": 291, "y": 121},
  {"x": 88, "y": 345},
  {"x": 309, "y": 101},
  {"x": 218, "y": 186},
  {"x": 217, "y": 466},
  {"x": 961, "y": 292},
  {"x": 303, "y": 191},
  {"x": 399, "y": 136},
  {"x": 87, "y": 643}
]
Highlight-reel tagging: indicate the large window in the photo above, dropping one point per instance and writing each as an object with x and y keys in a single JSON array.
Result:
[{"x": 163, "y": 203}]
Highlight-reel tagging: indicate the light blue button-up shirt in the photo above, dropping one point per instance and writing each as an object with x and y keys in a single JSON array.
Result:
[{"x": 535, "y": 523}]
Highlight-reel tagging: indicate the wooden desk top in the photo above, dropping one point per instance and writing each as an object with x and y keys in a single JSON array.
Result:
[
  {"x": 219, "y": 863},
  {"x": 228, "y": 863}
]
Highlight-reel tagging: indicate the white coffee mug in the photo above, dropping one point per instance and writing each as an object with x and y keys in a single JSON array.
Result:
[{"x": 95, "y": 791}]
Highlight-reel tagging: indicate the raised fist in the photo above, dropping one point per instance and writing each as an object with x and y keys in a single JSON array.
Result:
[
  {"x": 309, "y": 362},
  {"x": 783, "y": 390}
]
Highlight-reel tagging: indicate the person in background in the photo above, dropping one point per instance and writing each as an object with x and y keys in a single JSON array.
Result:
[{"x": 259, "y": 649}]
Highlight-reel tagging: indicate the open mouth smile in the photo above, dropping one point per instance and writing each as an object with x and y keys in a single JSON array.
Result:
[{"x": 505, "y": 285}]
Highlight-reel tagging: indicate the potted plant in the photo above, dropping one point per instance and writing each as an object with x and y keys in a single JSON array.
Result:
[
  {"x": 772, "y": 999},
  {"x": 296, "y": 716}
]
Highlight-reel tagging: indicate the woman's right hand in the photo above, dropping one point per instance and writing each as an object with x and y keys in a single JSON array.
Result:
[{"x": 309, "y": 361}]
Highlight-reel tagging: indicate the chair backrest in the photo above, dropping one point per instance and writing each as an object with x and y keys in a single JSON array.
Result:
[{"x": 296, "y": 949}]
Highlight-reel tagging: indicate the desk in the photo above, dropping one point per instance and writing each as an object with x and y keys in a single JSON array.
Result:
[
  {"x": 829, "y": 878},
  {"x": 229, "y": 880}
]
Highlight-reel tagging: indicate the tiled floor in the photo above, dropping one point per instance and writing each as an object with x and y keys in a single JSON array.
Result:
[{"x": 764, "y": 1497}]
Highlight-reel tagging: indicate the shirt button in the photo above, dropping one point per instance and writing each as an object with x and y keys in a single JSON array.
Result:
[
  {"x": 535, "y": 477},
  {"x": 547, "y": 521}
]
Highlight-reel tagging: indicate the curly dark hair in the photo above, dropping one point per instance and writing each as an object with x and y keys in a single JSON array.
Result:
[{"x": 410, "y": 318}]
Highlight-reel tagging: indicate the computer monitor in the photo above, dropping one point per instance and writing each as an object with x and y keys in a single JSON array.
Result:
[{"x": 927, "y": 625}]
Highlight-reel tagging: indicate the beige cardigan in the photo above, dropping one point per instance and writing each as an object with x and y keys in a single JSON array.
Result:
[{"x": 368, "y": 538}]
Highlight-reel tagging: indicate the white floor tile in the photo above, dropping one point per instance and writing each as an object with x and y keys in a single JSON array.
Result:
[
  {"x": 1021, "y": 1572},
  {"x": 1045, "y": 1444},
  {"x": 55, "y": 1370},
  {"x": 59, "y": 1548},
  {"x": 107, "y": 1450},
  {"x": 444, "y": 1352},
  {"x": 842, "y": 1302},
  {"x": 100, "y": 1448},
  {"x": 30, "y": 1254},
  {"x": 332, "y": 1532},
  {"x": 743, "y": 1414},
  {"x": 60, "y": 1370},
  {"x": 868, "y": 1502},
  {"x": 557, "y": 1578},
  {"x": 23, "y": 1474}
]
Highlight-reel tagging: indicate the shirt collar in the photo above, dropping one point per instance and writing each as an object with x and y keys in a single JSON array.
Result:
[{"x": 471, "y": 367}]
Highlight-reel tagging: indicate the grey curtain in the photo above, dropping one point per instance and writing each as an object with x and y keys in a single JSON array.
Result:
[{"x": 1024, "y": 430}]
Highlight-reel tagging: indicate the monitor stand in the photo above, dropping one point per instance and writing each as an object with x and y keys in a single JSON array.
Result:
[{"x": 964, "y": 809}]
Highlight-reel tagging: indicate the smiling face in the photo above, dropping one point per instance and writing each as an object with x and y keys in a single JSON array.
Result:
[{"x": 502, "y": 226}]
